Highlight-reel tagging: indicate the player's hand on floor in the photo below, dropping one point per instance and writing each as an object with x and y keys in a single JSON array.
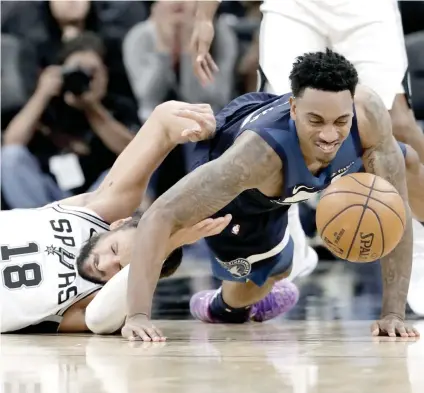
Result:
[
  {"x": 203, "y": 64},
  {"x": 202, "y": 125},
  {"x": 205, "y": 228},
  {"x": 393, "y": 326},
  {"x": 140, "y": 328}
]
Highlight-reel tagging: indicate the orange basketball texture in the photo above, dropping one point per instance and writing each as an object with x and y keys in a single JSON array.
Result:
[{"x": 361, "y": 217}]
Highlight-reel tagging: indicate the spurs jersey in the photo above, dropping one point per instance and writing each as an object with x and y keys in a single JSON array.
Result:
[{"x": 38, "y": 275}]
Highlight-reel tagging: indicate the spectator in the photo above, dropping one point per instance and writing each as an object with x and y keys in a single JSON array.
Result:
[
  {"x": 18, "y": 76},
  {"x": 70, "y": 112},
  {"x": 158, "y": 62},
  {"x": 47, "y": 24}
]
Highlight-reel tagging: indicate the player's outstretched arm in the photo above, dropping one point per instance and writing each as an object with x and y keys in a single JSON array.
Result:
[
  {"x": 383, "y": 157},
  {"x": 247, "y": 164},
  {"x": 122, "y": 190}
]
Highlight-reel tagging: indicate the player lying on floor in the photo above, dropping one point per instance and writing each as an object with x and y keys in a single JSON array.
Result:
[
  {"x": 107, "y": 311},
  {"x": 106, "y": 253},
  {"x": 41, "y": 289},
  {"x": 270, "y": 152}
]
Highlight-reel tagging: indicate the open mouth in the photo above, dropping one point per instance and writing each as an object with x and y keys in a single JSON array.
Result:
[{"x": 328, "y": 147}]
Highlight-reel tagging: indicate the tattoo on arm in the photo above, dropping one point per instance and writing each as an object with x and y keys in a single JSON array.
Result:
[
  {"x": 247, "y": 164},
  {"x": 384, "y": 158}
]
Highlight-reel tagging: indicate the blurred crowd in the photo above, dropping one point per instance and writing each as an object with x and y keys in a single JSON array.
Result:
[{"x": 79, "y": 78}]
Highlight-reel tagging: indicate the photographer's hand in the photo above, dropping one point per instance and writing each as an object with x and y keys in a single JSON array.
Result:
[
  {"x": 84, "y": 102},
  {"x": 50, "y": 82},
  {"x": 23, "y": 126}
]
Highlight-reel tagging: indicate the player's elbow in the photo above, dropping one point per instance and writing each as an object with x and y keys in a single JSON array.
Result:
[{"x": 100, "y": 322}]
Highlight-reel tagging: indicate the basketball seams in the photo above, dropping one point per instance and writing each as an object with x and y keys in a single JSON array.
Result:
[
  {"x": 362, "y": 216},
  {"x": 338, "y": 214},
  {"x": 375, "y": 189},
  {"x": 362, "y": 184},
  {"x": 370, "y": 197},
  {"x": 383, "y": 248}
]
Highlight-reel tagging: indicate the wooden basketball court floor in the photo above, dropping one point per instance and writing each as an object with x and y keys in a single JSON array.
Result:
[{"x": 280, "y": 356}]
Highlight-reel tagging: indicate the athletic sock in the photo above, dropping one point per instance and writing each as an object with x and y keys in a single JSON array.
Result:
[{"x": 222, "y": 312}]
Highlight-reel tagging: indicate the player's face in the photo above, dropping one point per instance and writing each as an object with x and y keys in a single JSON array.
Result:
[
  {"x": 112, "y": 252},
  {"x": 323, "y": 120}
]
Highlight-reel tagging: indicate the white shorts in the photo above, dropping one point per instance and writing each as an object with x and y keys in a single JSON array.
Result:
[{"x": 367, "y": 32}]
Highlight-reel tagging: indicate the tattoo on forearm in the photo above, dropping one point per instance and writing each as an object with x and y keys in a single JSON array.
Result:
[
  {"x": 385, "y": 160},
  {"x": 208, "y": 189}
]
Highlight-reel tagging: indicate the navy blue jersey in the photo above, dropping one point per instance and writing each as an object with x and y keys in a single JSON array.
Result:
[{"x": 259, "y": 223}]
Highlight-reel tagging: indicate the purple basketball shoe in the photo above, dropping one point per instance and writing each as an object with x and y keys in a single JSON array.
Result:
[{"x": 282, "y": 298}]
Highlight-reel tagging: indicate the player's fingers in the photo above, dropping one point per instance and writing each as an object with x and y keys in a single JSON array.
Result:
[
  {"x": 152, "y": 334},
  {"x": 192, "y": 115},
  {"x": 400, "y": 328},
  {"x": 412, "y": 332},
  {"x": 218, "y": 225},
  {"x": 201, "y": 108},
  {"x": 375, "y": 329},
  {"x": 160, "y": 334},
  {"x": 390, "y": 330},
  {"x": 200, "y": 132},
  {"x": 193, "y": 135},
  {"x": 203, "y": 224},
  {"x": 141, "y": 334},
  {"x": 212, "y": 226}
]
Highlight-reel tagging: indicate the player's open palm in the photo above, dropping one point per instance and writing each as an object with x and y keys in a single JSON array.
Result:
[
  {"x": 205, "y": 228},
  {"x": 140, "y": 328}
]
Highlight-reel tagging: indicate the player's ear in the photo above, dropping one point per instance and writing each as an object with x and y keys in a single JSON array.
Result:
[
  {"x": 118, "y": 223},
  {"x": 292, "y": 108}
]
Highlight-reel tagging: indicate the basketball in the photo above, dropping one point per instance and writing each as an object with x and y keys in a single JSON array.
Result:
[{"x": 361, "y": 217}]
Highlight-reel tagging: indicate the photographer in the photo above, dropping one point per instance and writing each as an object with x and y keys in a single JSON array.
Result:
[{"x": 70, "y": 131}]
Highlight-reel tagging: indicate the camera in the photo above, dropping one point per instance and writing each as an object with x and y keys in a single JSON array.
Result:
[{"x": 76, "y": 80}]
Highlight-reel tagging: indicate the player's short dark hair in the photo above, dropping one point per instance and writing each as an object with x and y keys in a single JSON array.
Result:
[
  {"x": 328, "y": 71},
  {"x": 168, "y": 268}
]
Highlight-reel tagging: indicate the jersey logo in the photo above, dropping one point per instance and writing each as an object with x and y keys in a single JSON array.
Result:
[
  {"x": 255, "y": 115},
  {"x": 296, "y": 189},
  {"x": 236, "y": 229},
  {"x": 238, "y": 268},
  {"x": 338, "y": 174},
  {"x": 62, "y": 254}
]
